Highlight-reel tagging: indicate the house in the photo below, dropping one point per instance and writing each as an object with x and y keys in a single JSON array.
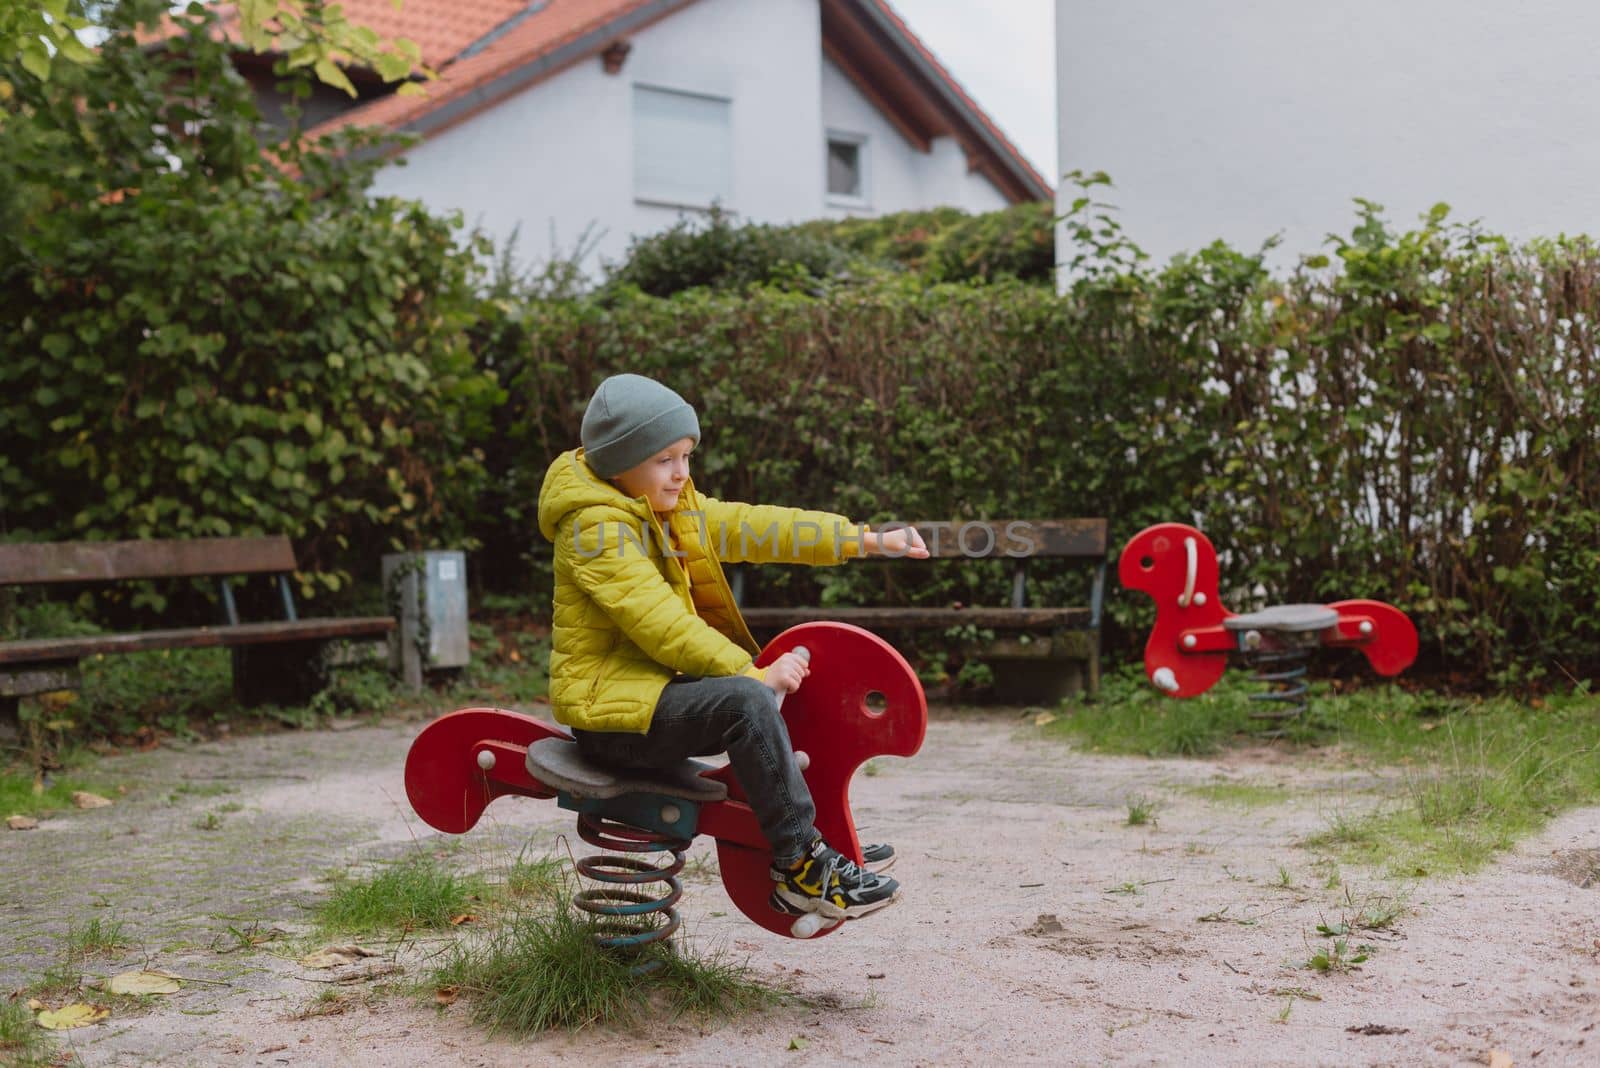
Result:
[
  {"x": 554, "y": 118},
  {"x": 1241, "y": 119}
]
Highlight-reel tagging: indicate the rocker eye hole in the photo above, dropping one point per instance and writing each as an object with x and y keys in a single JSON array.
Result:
[
  {"x": 1146, "y": 563},
  {"x": 875, "y": 704}
]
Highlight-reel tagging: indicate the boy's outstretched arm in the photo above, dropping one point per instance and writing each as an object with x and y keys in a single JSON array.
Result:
[{"x": 770, "y": 534}]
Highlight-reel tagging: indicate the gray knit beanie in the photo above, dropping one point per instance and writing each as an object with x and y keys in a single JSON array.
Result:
[{"x": 630, "y": 418}]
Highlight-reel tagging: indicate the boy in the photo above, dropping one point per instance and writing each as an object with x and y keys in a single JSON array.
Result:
[{"x": 650, "y": 661}]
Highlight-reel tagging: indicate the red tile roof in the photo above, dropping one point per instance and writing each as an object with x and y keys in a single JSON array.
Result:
[{"x": 547, "y": 28}]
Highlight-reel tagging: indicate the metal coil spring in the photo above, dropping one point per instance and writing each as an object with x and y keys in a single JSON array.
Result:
[
  {"x": 1284, "y": 672},
  {"x": 629, "y": 920}
]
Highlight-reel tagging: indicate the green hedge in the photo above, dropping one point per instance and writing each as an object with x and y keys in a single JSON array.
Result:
[
  {"x": 940, "y": 245},
  {"x": 1414, "y": 422}
]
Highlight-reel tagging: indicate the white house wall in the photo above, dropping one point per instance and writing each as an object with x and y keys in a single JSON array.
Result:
[
  {"x": 899, "y": 176},
  {"x": 1238, "y": 119},
  {"x": 558, "y": 157},
  {"x": 556, "y": 160}
]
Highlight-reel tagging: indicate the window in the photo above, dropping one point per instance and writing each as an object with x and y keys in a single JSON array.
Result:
[
  {"x": 847, "y": 168},
  {"x": 682, "y": 148}
]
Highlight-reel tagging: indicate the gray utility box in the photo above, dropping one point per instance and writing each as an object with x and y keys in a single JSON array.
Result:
[{"x": 427, "y": 593}]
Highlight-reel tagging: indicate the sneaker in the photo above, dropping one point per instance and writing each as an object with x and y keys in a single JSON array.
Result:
[
  {"x": 828, "y": 883},
  {"x": 877, "y": 857}
]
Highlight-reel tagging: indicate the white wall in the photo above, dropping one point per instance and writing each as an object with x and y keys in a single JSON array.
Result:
[
  {"x": 1242, "y": 118},
  {"x": 900, "y": 177},
  {"x": 559, "y": 156}
]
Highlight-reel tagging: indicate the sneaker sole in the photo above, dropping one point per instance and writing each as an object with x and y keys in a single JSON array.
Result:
[
  {"x": 789, "y": 906},
  {"x": 882, "y": 865}
]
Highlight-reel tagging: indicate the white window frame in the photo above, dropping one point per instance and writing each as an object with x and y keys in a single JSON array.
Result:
[
  {"x": 863, "y": 162},
  {"x": 661, "y": 198}
]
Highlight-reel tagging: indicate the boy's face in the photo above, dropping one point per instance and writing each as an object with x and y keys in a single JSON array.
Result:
[{"x": 661, "y": 478}]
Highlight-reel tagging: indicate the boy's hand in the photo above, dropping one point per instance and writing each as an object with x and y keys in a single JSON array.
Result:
[
  {"x": 905, "y": 542},
  {"x": 786, "y": 673}
]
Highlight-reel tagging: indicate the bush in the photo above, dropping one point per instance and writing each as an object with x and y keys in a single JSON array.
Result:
[
  {"x": 718, "y": 254},
  {"x": 948, "y": 245},
  {"x": 200, "y": 342},
  {"x": 1411, "y": 420}
]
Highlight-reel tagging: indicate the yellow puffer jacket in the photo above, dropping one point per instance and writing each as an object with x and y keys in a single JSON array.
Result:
[{"x": 628, "y": 617}]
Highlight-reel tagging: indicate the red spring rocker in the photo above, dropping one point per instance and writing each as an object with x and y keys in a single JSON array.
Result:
[
  {"x": 861, "y": 700},
  {"x": 1189, "y": 646}
]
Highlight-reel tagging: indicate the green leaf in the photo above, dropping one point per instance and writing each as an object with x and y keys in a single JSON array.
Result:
[
  {"x": 35, "y": 59},
  {"x": 329, "y": 73}
]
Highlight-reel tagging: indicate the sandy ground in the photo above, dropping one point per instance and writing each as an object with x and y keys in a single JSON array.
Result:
[{"x": 1036, "y": 927}]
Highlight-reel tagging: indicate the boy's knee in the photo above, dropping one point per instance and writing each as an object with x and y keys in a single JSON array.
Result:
[{"x": 755, "y": 695}]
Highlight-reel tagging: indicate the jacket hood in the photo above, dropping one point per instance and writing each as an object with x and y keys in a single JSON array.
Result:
[{"x": 570, "y": 485}]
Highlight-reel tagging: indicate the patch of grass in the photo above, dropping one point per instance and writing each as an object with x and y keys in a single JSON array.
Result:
[
  {"x": 541, "y": 878},
  {"x": 59, "y": 982},
  {"x": 17, "y": 796},
  {"x": 1130, "y": 716},
  {"x": 23, "y": 1044},
  {"x": 1481, "y": 772},
  {"x": 1242, "y": 794},
  {"x": 540, "y": 970},
  {"x": 416, "y": 892},
  {"x": 200, "y": 789},
  {"x": 1141, "y": 810},
  {"x": 1337, "y": 956},
  {"x": 702, "y": 867},
  {"x": 97, "y": 938}
]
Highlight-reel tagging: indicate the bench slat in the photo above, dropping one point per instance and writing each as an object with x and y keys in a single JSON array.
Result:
[
  {"x": 106, "y": 561},
  {"x": 1013, "y": 538},
  {"x": 1006, "y": 618},
  {"x": 40, "y": 650}
]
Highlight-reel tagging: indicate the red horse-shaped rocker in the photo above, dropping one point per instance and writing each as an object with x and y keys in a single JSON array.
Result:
[
  {"x": 1188, "y": 648},
  {"x": 464, "y": 760}
]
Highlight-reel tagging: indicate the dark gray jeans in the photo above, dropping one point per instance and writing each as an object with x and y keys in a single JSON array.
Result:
[{"x": 737, "y": 715}]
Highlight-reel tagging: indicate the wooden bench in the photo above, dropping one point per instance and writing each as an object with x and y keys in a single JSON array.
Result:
[
  {"x": 1047, "y": 652},
  {"x": 282, "y": 662}
]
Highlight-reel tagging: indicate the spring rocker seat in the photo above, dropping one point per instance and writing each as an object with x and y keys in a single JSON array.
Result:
[
  {"x": 861, "y": 700},
  {"x": 1194, "y": 635}
]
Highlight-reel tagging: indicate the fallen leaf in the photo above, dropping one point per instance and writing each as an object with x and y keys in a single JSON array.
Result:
[
  {"x": 22, "y": 823},
  {"x": 79, "y": 1015},
  {"x": 334, "y": 956},
  {"x": 465, "y": 917},
  {"x": 84, "y": 799},
  {"x": 797, "y": 1043},
  {"x": 1044, "y": 717},
  {"x": 446, "y": 995},
  {"x": 143, "y": 982},
  {"x": 1427, "y": 726},
  {"x": 1499, "y": 1058},
  {"x": 35, "y": 1004}
]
